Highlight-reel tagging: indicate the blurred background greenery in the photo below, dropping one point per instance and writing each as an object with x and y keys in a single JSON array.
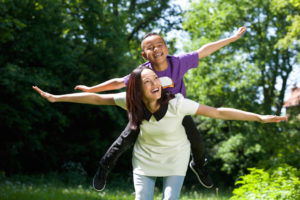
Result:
[{"x": 57, "y": 44}]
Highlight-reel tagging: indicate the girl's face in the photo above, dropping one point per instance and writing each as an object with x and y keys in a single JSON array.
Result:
[
  {"x": 154, "y": 49},
  {"x": 151, "y": 87}
]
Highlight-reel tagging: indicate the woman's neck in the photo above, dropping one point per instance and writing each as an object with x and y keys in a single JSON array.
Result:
[{"x": 152, "y": 106}]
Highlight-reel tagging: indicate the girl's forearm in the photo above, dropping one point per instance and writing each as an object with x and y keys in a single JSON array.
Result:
[
  {"x": 210, "y": 48},
  {"x": 113, "y": 84}
]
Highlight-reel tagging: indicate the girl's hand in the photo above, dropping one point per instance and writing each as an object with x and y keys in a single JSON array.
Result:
[
  {"x": 239, "y": 33},
  {"x": 48, "y": 96},
  {"x": 83, "y": 88},
  {"x": 272, "y": 118}
]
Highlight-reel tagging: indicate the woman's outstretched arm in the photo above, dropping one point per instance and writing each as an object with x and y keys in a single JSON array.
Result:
[
  {"x": 235, "y": 114},
  {"x": 86, "y": 98}
]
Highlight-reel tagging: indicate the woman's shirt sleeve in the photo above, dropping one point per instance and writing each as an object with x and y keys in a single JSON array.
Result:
[
  {"x": 186, "y": 106},
  {"x": 120, "y": 99}
]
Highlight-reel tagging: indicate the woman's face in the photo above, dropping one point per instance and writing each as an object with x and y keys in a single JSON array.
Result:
[{"x": 151, "y": 86}]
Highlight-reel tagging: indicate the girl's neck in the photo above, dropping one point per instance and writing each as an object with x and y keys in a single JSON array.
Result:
[{"x": 160, "y": 66}]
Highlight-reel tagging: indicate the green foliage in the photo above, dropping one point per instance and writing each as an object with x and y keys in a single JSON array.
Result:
[
  {"x": 74, "y": 173},
  {"x": 243, "y": 75},
  {"x": 288, "y": 144},
  {"x": 292, "y": 8},
  {"x": 57, "y": 44},
  {"x": 280, "y": 183}
]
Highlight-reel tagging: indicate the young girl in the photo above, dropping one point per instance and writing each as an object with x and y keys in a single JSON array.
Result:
[
  {"x": 170, "y": 69},
  {"x": 162, "y": 148}
]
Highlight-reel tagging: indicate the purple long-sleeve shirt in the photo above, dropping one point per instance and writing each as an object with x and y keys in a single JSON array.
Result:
[{"x": 172, "y": 77}]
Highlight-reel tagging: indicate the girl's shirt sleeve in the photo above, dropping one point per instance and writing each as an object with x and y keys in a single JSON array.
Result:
[
  {"x": 126, "y": 79},
  {"x": 120, "y": 99},
  {"x": 188, "y": 61}
]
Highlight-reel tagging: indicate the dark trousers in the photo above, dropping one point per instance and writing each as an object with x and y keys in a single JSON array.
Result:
[{"x": 128, "y": 138}]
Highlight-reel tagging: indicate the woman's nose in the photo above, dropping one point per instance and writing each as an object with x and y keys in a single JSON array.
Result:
[{"x": 155, "y": 82}]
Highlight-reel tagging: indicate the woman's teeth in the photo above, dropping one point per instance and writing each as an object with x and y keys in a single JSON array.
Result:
[{"x": 155, "y": 90}]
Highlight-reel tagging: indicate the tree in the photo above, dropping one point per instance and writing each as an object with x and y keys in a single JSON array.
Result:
[
  {"x": 292, "y": 8},
  {"x": 58, "y": 44},
  {"x": 250, "y": 74}
]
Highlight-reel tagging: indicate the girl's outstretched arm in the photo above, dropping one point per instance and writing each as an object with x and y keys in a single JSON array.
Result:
[
  {"x": 235, "y": 114},
  {"x": 86, "y": 98},
  {"x": 112, "y": 84},
  {"x": 210, "y": 48}
]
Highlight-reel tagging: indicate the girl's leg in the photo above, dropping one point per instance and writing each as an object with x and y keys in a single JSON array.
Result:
[
  {"x": 195, "y": 138},
  {"x": 144, "y": 187},
  {"x": 107, "y": 162},
  {"x": 198, "y": 163},
  {"x": 121, "y": 144},
  {"x": 171, "y": 187}
]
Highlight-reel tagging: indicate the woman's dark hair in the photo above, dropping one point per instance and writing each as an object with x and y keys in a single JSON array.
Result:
[{"x": 134, "y": 102}]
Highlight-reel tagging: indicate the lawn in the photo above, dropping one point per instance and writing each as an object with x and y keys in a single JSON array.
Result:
[{"x": 45, "y": 188}]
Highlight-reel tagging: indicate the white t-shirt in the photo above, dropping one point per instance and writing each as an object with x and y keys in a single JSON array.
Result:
[{"x": 162, "y": 147}]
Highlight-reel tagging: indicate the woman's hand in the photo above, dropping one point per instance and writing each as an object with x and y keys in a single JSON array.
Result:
[
  {"x": 48, "y": 96},
  {"x": 271, "y": 118}
]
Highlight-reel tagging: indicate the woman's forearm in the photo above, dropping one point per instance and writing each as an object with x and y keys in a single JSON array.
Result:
[
  {"x": 84, "y": 97},
  {"x": 235, "y": 114}
]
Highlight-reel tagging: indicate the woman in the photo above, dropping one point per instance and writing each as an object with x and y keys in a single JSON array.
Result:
[{"x": 162, "y": 148}]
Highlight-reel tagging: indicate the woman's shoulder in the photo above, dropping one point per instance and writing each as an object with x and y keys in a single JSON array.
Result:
[
  {"x": 177, "y": 100},
  {"x": 120, "y": 99},
  {"x": 182, "y": 105}
]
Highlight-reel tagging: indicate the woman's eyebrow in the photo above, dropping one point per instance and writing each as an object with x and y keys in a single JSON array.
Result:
[{"x": 148, "y": 77}]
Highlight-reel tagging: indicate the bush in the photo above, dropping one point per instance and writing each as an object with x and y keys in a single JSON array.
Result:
[
  {"x": 74, "y": 173},
  {"x": 281, "y": 183}
]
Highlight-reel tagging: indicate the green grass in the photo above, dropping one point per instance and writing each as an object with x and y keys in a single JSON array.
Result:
[{"x": 53, "y": 188}]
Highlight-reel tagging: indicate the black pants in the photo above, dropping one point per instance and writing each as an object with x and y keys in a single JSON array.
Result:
[{"x": 128, "y": 138}]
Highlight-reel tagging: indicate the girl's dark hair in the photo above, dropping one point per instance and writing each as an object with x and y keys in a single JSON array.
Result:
[
  {"x": 134, "y": 102},
  {"x": 151, "y": 34}
]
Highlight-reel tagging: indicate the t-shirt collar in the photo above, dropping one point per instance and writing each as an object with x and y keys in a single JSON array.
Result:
[{"x": 158, "y": 114}]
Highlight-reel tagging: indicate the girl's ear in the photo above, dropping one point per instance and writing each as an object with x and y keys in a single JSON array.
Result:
[{"x": 144, "y": 55}]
